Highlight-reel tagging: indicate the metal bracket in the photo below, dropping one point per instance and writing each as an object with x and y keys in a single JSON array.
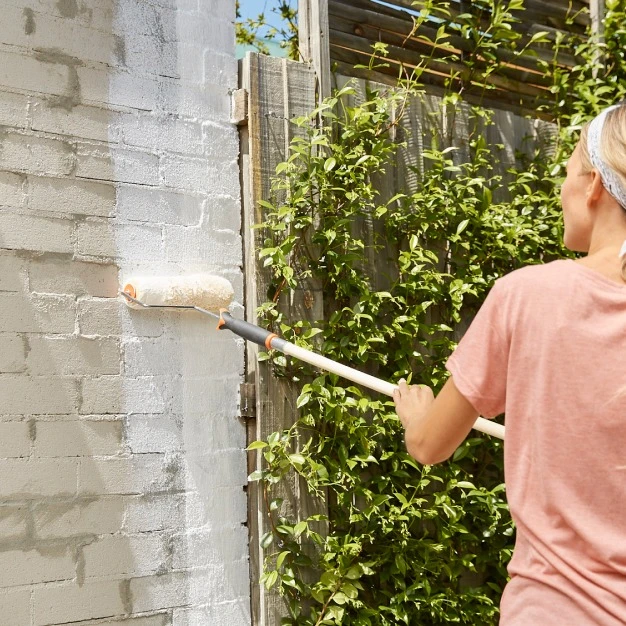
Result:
[{"x": 247, "y": 401}]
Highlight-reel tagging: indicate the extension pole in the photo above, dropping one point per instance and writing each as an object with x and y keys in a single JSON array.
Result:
[{"x": 270, "y": 340}]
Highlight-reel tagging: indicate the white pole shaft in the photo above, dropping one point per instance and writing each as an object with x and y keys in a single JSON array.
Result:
[{"x": 371, "y": 382}]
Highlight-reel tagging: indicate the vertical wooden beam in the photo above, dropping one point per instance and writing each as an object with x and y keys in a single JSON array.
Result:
[
  {"x": 597, "y": 9},
  {"x": 278, "y": 90},
  {"x": 314, "y": 41}
]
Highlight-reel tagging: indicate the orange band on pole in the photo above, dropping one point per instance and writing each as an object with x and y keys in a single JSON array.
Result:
[{"x": 268, "y": 341}]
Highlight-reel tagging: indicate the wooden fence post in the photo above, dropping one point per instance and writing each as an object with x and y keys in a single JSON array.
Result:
[{"x": 278, "y": 90}]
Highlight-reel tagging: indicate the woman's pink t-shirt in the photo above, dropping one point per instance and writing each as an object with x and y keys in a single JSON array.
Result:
[{"x": 548, "y": 348}]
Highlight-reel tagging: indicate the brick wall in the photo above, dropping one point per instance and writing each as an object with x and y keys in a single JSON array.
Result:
[{"x": 121, "y": 455}]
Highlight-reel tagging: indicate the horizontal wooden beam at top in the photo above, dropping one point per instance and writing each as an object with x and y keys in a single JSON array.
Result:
[
  {"x": 371, "y": 27},
  {"x": 401, "y": 22},
  {"x": 500, "y": 88},
  {"x": 435, "y": 88},
  {"x": 578, "y": 12},
  {"x": 507, "y": 79}
]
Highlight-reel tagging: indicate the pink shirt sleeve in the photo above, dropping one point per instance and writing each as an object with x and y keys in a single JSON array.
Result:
[{"x": 480, "y": 362}]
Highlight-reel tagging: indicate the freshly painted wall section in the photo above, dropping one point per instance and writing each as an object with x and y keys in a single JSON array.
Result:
[{"x": 121, "y": 454}]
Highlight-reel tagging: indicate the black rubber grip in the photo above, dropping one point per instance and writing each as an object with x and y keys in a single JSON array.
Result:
[{"x": 245, "y": 329}]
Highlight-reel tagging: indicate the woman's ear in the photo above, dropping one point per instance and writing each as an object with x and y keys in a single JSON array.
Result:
[{"x": 595, "y": 188}]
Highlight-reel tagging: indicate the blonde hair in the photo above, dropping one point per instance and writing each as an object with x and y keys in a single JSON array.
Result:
[
  {"x": 613, "y": 148},
  {"x": 612, "y": 141}
]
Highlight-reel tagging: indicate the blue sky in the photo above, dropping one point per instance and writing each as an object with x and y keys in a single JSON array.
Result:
[{"x": 252, "y": 8}]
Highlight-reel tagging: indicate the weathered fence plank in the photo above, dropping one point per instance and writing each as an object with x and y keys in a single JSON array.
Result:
[{"x": 278, "y": 91}]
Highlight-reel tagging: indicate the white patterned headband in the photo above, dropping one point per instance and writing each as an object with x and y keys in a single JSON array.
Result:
[{"x": 610, "y": 179}]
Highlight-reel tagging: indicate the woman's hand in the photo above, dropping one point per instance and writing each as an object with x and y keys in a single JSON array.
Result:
[{"x": 412, "y": 402}]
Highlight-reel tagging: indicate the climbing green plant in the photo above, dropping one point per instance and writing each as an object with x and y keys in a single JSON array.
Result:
[{"x": 399, "y": 542}]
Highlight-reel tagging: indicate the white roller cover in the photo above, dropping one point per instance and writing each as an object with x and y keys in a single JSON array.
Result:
[{"x": 202, "y": 290}]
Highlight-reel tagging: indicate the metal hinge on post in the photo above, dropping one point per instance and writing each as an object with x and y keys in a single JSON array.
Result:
[
  {"x": 239, "y": 107},
  {"x": 247, "y": 401}
]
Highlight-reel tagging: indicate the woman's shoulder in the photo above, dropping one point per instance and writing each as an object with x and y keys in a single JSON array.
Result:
[{"x": 541, "y": 275}]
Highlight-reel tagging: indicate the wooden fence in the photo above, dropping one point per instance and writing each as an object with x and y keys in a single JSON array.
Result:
[
  {"x": 276, "y": 91},
  {"x": 341, "y": 33}
]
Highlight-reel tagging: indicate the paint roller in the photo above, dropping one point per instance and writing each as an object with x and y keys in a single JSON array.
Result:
[{"x": 205, "y": 294}]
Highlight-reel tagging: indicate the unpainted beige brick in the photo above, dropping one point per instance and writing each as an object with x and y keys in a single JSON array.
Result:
[
  {"x": 78, "y": 438},
  {"x": 26, "y": 395},
  {"x": 125, "y": 166},
  {"x": 21, "y": 71},
  {"x": 141, "y": 474},
  {"x": 33, "y": 478},
  {"x": 30, "y": 232},
  {"x": 15, "y": 440},
  {"x": 71, "y": 195},
  {"x": 13, "y": 110},
  {"x": 73, "y": 278},
  {"x": 19, "y": 567},
  {"x": 100, "y": 316},
  {"x": 12, "y": 192},
  {"x": 14, "y": 521},
  {"x": 88, "y": 122},
  {"x": 11, "y": 272},
  {"x": 114, "y": 394},
  {"x": 138, "y": 555},
  {"x": 79, "y": 517},
  {"x": 12, "y": 355},
  {"x": 15, "y": 607},
  {"x": 71, "y": 602},
  {"x": 36, "y": 314},
  {"x": 96, "y": 238},
  {"x": 73, "y": 355},
  {"x": 35, "y": 155}
]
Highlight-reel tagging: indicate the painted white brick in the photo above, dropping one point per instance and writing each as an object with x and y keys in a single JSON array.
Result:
[
  {"x": 137, "y": 555},
  {"x": 27, "y": 232},
  {"x": 141, "y": 474},
  {"x": 12, "y": 356},
  {"x": 224, "y": 213},
  {"x": 197, "y": 244},
  {"x": 14, "y": 440},
  {"x": 27, "y": 73},
  {"x": 218, "y": 140},
  {"x": 12, "y": 191},
  {"x": 33, "y": 566},
  {"x": 78, "y": 438},
  {"x": 152, "y": 593},
  {"x": 21, "y": 394},
  {"x": 72, "y": 278},
  {"x": 12, "y": 272},
  {"x": 33, "y": 154},
  {"x": 215, "y": 546},
  {"x": 234, "y": 613},
  {"x": 138, "y": 323},
  {"x": 63, "y": 195},
  {"x": 151, "y": 356},
  {"x": 154, "y": 513},
  {"x": 15, "y": 607},
  {"x": 126, "y": 166},
  {"x": 232, "y": 470},
  {"x": 207, "y": 101},
  {"x": 220, "y": 69},
  {"x": 99, "y": 316},
  {"x": 158, "y": 206},
  {"x": 37, "y": 314},
  {"x": 13, "y": 110},
  {"x": 73, "y": 355},
  {"x": 200, "y": 507},
  {"x": 160, "y": 619},
  {"x": 163, "y": 132},
  {"x": 148, "y": 55},
  {"x": 117, "y": 88},
  {"x": 87, "y": 122},
  {"x": 71, "y": 602},
  {"x": 154, "y": 434},
  {"x": 30, "y": 478},
  {"x": 96, "y": 238}
]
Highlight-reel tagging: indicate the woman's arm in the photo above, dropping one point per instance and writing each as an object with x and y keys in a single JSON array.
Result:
[{"x": 433, "y": 427}]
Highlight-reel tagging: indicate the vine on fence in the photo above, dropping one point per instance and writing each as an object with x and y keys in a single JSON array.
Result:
[{"x": 405, "y": 543}]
